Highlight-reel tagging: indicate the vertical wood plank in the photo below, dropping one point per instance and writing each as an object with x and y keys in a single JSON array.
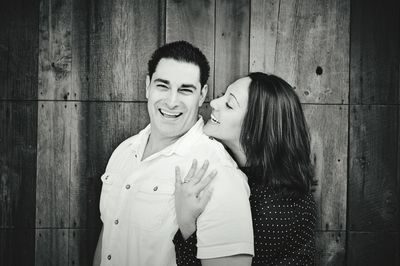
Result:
[
  {"x": 329, "y": 134},
  {"x": 51, "y": 247},
  {"x": 53, "y": 168},
  {"x": 18, "y": 49},
  {"x": 373, "y": 184},
  {"x": 81, "y": 247},
  {"x": 231, "y": 42},
  {"x": 111, "y": 62},
  {"x": 17, "y": 164},
  {"x": 55, "y": 55},
  {"x": 97, "y": 128},
  {"x": 263, "y": 35},
  {"x": 373, "y": 248},
  {"x": 331, "y": 248},
  {"x": 311, "y": 46},
  {"x": 375, "y": 53},
  {"x": 193, "y": 21},
  {"x": 17, "y": 247}
]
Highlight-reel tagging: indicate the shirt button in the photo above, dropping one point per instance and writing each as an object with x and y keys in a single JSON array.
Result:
[
  {"x": 135, "y": 155},
  {"x": 109, "y": 257},
  {"x": 155, "y": 188},
  {"x": 128, "y": 186},
  {"x": 106, "y": 178},
  {"x": 116, "y": 221}
]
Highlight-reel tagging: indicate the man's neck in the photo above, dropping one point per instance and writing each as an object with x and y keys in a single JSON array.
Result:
[{"x": 156, "y": 143}]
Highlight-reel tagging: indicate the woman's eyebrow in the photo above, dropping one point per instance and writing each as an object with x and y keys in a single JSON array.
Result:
[{"x": 231, "y": 94}]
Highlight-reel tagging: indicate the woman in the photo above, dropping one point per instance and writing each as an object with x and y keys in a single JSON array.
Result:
[{"x": 261, "y": 123}]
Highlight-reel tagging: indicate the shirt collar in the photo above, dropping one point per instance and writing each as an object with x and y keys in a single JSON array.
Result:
[{"x": 179, "y": 147}]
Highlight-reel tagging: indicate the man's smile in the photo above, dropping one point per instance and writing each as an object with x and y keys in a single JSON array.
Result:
[{"x": 169, "y": 114}]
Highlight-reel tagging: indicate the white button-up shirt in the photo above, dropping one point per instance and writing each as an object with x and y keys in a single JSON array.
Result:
[{"x": 137, "y": 202}]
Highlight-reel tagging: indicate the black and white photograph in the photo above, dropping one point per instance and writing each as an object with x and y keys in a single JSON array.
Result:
[{"x": 199, "y": 132}]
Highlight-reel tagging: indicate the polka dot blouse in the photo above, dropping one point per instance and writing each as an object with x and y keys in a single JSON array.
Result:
[{"x": 283, "y": 225}]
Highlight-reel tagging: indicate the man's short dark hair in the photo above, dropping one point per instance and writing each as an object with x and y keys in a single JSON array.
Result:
[{"x": 184, "y": 52}]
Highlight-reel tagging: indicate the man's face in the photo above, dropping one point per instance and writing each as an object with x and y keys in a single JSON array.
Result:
[{"x": 174, "y": 95}]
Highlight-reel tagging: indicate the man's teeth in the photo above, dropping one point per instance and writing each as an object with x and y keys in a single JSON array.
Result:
[
  {"x": 214, "y": 119},
  {"x": 165, "y": 113}
]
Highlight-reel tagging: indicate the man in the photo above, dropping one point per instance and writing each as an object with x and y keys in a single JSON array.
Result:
[{"x": 137, "y": 198}]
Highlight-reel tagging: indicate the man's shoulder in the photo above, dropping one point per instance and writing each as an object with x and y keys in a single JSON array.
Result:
[{"x": 212, "y": 150}]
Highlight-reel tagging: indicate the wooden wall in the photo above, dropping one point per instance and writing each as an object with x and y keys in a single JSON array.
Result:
[{"x": 72, "y": 88}]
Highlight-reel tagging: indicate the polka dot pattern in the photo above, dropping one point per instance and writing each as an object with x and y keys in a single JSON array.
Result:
[{"x": 284, "y": 229}]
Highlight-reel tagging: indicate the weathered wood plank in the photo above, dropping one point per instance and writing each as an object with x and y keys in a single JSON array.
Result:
[
  {"x": 373, "y": 248},
  {"x": 373, "y": 184},
  {"x": 263, "y": 35},
  {"x": 55, "y": 55},
  {"x": 81, "y": 247},
  {"x": 331, "y": 248},
  {"x": 17, "y": 164},
  {"x": 112, "y": 51},
  {"x": 329, "y": 134},
  {"x": 193, "y": 21},
  {"x": 17, "y": 247},
  {"x": 311, "y": 43},
  {"x": 231, "y": 42},
  {"x": 51, "y": 247},
  {"x": 375, "y": 53},
  {"x": 18, "y": 49},
  {"x": 97, "y": 128},
  {"x": 53, "y": 167}
]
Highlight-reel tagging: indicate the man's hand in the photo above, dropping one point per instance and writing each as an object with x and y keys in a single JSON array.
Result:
[{"x": 191, "y": 196}]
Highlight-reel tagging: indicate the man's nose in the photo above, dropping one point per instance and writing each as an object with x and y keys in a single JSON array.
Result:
[{"x": 172, "y": 99}]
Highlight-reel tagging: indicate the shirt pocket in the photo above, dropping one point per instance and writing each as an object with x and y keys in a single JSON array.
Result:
[{"x": 152, "y": 204}]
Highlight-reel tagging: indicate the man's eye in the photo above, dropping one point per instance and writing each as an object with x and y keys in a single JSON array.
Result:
[
  {"x": 186, "y": 91},
  {"x": 162, "y": 86}
]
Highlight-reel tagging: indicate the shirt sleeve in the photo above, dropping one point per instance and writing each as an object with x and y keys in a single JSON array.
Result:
[
  {"x": 185, "y": 250},
  {"x": 225, "y": 227}
]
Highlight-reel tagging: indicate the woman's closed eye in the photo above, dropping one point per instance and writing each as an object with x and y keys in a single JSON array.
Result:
[{"x": 228, "y": 106}]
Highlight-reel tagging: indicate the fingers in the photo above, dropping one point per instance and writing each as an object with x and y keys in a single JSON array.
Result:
[
  {"x": 199, "y": 175},
  {"x": 177, "y": 176},
  {"x": 192, "y": 170},
  {"x": 204, "y": 182}
]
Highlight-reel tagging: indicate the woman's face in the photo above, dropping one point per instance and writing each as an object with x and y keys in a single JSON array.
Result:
[{"x": 228, "y": 112}]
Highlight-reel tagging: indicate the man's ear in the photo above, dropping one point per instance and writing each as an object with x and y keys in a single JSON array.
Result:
[
  {"x": 203, "y": 94},
  {"x": 147, "y": 86}
]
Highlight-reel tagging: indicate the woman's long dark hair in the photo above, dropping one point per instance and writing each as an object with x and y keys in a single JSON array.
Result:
[{"x": 275, "y": 135}]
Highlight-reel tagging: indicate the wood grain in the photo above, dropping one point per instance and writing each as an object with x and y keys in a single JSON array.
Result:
[
  {"x": 53, "y": 168},
  {"x": 19, "y": 49},
  {"x": 263, "y": 34},
  {"x": 193, "y": 21},
  {"x": 17, "y": 164},
  {"x": 375, "y": 53},
  {"x": 331, "y": 248},
  {"x": 81, "y": 246},
  {"x": 17, "y": 247},
  {"x": 311, "y": 44},
  {"x": 113, "y": 49},
  {"x": 373, "y": 248},
  {"x": 329, "y": 133},
  {"x": 232, "y": 20},
  {"x": 55, "y": 55},
  {"x": 52, "y": 247},
  {"x": 373, "y": 183}
]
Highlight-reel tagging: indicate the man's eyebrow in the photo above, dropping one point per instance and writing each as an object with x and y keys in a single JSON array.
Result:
[
  {"x": 231, "y": 94},
  {"x": 162, "y": 80},
  {"x": 188, "y": 86}
]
